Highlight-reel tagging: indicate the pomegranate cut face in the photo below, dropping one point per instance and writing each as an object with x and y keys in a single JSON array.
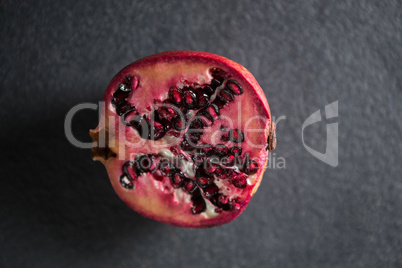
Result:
[{"x": 185, "y": 137}]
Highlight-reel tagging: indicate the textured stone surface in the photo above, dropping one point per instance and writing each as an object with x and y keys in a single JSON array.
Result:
[{"x": 57, "y": 208}]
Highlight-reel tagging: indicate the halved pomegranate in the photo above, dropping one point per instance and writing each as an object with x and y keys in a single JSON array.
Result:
[{"x": 184, "y": 137}]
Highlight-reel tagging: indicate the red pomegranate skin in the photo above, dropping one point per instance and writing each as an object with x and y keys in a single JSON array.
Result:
[{"x": 187, "y": 194}]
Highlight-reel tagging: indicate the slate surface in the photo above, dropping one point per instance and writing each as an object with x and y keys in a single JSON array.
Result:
[{"x": 57, "y": 208}]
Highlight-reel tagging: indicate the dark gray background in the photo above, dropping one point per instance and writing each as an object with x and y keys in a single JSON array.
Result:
[{"x": 57, "y": 207}]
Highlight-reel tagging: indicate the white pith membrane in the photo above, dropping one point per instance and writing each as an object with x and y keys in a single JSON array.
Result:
[{"x": 158, "y": 198}]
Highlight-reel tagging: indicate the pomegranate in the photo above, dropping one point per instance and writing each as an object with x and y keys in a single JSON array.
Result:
[{"x": 185, "y": 137}]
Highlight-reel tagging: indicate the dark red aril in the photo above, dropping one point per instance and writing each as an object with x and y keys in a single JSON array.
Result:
[{"x": 175, "y": 95}]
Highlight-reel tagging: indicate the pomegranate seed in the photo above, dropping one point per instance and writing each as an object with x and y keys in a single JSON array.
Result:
[
  {"x": 220, "y": 150},
  {"x": 203, "y": 181},
  {"x": 190, "y": 186},
  {"x": 236, "y": 206},
  {"x": 223, "y": 199},
  {"x": 194, "y": 137},
  {"x": 198, "y": 160},
  {"x": 156, "y": 131},
  {"x": 212, "y": 111},
  {"x": 225, "y": 137},
  {"x": 218, "y": 210},
  {"x": 215, "y": 83},
  {"x": 177, "y": 180},
  {"x": 189, "y": 99},
  {"x": 252, "y": 167},
  {"x": 236, "y": 150},
  {"x": 236, "y": 135},
  {"x": 185, "y": 145},
  {"x": 196, "y": 124},
  {"x": 243, "y": 161},
  {"x": 202, "y": 100},
  {"x": 157, "y": 125},
  {"x": 199, "y": 207},
  {"x": 211, "y": 190},
  {"x": 171, "y": 111},
  {"x": 234, "y": 87},
  {"x": 179, "y": 123},
  {"x": 175, "y": 94},
  {"x": 228, "y": 160},
  {"x": 240, "y": 180},
  {"x": 205, "y": 149},
  {"x": 240, "y": 183},
  {"x": 158, "y": 175},
  {"x": 210, "y": 169},
  {"x": 226, "y": 96},
  {"x": 205, "y": 118},
  {"x": 133, "y": 81},
  {"x": 219, "y": 171},
  {"x": 209, "y": 90}
]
